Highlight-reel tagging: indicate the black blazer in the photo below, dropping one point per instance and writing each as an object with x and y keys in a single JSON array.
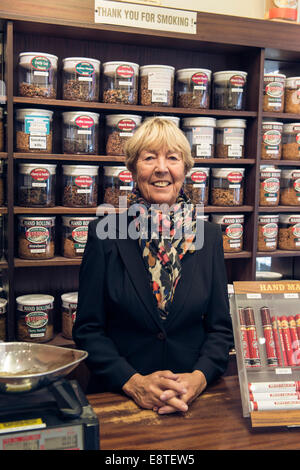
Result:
[{"x": 118, "y": 321}]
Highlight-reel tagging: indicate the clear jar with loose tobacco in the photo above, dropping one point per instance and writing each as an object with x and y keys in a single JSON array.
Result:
[
  {"x": 35, "y": 318},
  {"x": 274, "y": 86},
  {"x": 289, "y": 232},
  {"x": 196, "y": 185},
  {"x": 193, "y": 88},
  {"x": 291, "y": 141},
  {"x": 267, "y": 232},
  {"x": 74, "y": 238},
  {"x": 118, "y": 183},
  {"x": 37, "y": 75},
  {"x": 290, "y": 187},
  {"x": 119, "y": 128},
  {"x": 229, "y": 89},
  {"x": 36, "y": 237},
  {"x": 80, "y": 185},
  {"x": 271, "y": 144},
  {"x": 36, "y": 185},
  {"x": 157, "y": 85},
  {"x": 227, "y": 186},
  {"x": 232, "y": 227},
  {"x": 120, "y": 82},
  {"x": 230, "y": 138},
  {"x": 200, "y": 132},
  {"x": 80, "y": 132},
  {"x": 81, "y": 79},
  {"x": 69, "y": 308},
  {"x": 269, "y": 192},
  {"x": 34, "y": 130},
  {"x": 292, "y": 95}
]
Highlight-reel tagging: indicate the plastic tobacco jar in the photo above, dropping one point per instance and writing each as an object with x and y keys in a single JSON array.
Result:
[
  {"x": 281, "y": 10},
  {"x": 229, "y": 89},
  {"x": 292, "y": 95},
  {"x": 69, "y": 308},
  {"x": 290, "y": 187},
  {"x": 267, "y": 232},
  {"x": 200, "y": 132},
  {"x": 36, "y": 185},
  {"x": 193, "y": 88},
  {"x": 269, "y": 186},
  {"x": 196, "y": 185},
  {"x": 80, "y": 132},
  {"x": 81, "y": 79},
  {"x": 120, "y": 82},
  {"x": 37, "y": 75},
  {"x": 80, "y": 186},
  {"x": 118, "y": 183},
  {"x": 119, "y": 128},
  {"x": 291, "y": 141},
  {"x": 230, "y": 138},
  {"x": 227, "y": 186},
  {"x": 274, "y": 85},
  {"x": 232, "y": 227},
  {"x": 36, "y": 238},
  {"x": 75, "y": 232},
  {"x": 271, "y": 142},
  {"x": 157, "y": 85},
  {"x": 289, "y": 232},
  {"x": 35, "y": 318},
  {"x": 34, "y": 130}
]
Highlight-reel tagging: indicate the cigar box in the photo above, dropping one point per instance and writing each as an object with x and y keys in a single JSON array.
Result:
[{"x": 266, "y": 325}]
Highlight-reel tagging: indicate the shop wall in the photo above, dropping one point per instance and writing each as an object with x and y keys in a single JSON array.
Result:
[{"x": 250, "y": 9}]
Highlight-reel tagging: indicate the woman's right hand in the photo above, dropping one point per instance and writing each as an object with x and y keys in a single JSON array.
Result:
[{"x": 146, "y": 390}]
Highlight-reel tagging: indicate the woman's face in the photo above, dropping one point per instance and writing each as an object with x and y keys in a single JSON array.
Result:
[{"x": 160, "y": 175}]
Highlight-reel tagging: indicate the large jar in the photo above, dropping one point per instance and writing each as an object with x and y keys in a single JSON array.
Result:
[
  {"x": 80, "y": 185},
  {"x": 269, "y": 186},
  {"x": 36, "y": 237},
  {"x": 291, "y": 141},
  {"x": 196, "y": 185},
  {"x": 80, "y": 132},
  {"x": 229, "y": 88},
  {"x": 292, "y": 95},
  {"x": 35, "y": 318},
  {"x": 289, "y": 232},
  {"x": 37, "y": 75},
  {"x": 75, "y": 232},
  {"x": 230, "y": 138},
  {"x": 3, "y": 307},
  {"x": 1, "y": 130},
  {"x": 34, "y": 130},
  {"x": 267, "y": 232},
  {"x": 120, "y": 82},
  {"x": 227, "y": 186},
  {"x": 157, "y": 85},
  {"x": 118, "y": 183},
  {"x": 69, "y": 308},
  {"x": 36, "y": 185},
  {"x": 119, "y": 128},
  {"x": 290, "y": 187},
  {"x": 81, "y": 79},
  {"x": 232, "y": 227},
  {"x": 200, "y": 132},
  {"x": 193, "y": 88},
  {"x": 274, "y": 85},
  {"x": 271, "y": 144}
]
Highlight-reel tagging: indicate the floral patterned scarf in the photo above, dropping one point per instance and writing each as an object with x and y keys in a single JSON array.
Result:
[{"x": 164, "y": 239}]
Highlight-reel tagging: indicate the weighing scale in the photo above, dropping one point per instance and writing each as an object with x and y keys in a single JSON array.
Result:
[{"x": 39, "y": 408}]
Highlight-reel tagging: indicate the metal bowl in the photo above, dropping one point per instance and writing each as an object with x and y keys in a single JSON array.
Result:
[{"x": 29, "y": 366}]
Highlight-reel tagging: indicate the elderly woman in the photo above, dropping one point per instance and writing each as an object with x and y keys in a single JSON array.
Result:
[{"x": 153, "y": 309}]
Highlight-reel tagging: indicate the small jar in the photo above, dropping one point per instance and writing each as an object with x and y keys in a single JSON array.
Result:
[
  {"x": 200, "y": 132},
  {"x": 1, "y": 130},
  {"x": 232, "y": 227},
  {"x": 290, "y": 187},
  {"x": 196, "y": 185},
  {"x": 2, "y": 194},
  {"x": 34, "y": 130},
  {"x": 289, "y": 232},
  {"x": 291, "y": 141},
  {"x": 229, "y": 89},
  {"x": 119, "y": 128},
  {"x": 267, "y": 232},
  {"x": 80, "y": 132},
  {"x": 75, "y": 232},
  {"x": 3, "y": 307},
  {"x": 118, "y": 183},
  {"x": 193, "y": 88},
  {"x": 36, "y": 237},
  {"x": 269, "y": 186},
  {"x": 227, "y": 186},
  {"x": 69, "y": 309},
  {"x": 81, "y": 79},
  {"x": 274, "y": 85},
  {"x": 230, "y": 138},
  {"x": 80, "y": 185},
  {"x": 271, "y": 144},
  {"x": 120, "y": 82},
  {"x": 157, "y": 85},
  {"x": 37, "y": 75},
  {"x": 35, "y": 318},
  {"x": 292, "y": 95},
  {"x": 36, "y": 185}
]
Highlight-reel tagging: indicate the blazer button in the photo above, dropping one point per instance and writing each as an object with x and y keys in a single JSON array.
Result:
[{"x": 161, "y": 335}]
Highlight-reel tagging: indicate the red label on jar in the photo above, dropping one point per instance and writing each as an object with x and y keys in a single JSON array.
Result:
[
  {"x": 270, "y": 230},
  {"x": 84, "y": 122},
  {"x": 37, "y": 234},
  {"x": 80, "y": 234},
  {"x": 84, "y": 181},
  {"x": 125, "y": 176},
  {"x": 272, "y": 137},
  {"x": 298, "y": 138},
  {"x": 126, "y": 125},
  {"x": 235, "y": 177},
  {"x": 234, "y": 231},
  {"x": 297, "y": 185},
  {"x": 296, "y": 230},
  {"x": 237, "y": 80},
  {"x": 198, "y": 176},
  {"x": 271, "y": 185},
  {"x": 125, "y": 71},
  {"x": 275, "y": 89},
  {"x": 200, "y": 78},
  {"x": 40, "y": 174},
  {"x": 36, "y": 319}
]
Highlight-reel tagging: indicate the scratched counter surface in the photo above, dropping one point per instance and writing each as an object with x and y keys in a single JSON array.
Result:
[{"x": 213, "y": 421}]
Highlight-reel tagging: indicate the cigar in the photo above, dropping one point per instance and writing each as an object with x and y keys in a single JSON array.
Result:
[
  {"x": 272, "y": 360},
  {"x": 244, "y": 337},
  {"x": 252, "y": 337},
  {"x": 295, "y": 339},
  {"x": 287, "y": 340},
  {"x": 276, "y": 340},
  {"x": 297, "y": 318},
  {"x": 291, "y": 386},
  {"x": 282, "y": 343},
  {"x": 261, "y": 396},
  {"x": 275, "y": 405}
]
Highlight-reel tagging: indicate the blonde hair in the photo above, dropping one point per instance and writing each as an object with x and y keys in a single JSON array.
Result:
[{"x": 154, "y": 134}]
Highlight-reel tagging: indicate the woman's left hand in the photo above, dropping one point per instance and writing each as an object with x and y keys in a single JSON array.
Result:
[{"x": 194, "y": 382}]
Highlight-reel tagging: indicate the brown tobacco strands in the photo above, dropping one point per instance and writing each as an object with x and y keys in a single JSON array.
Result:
[
  {"x": 276, "y": 340},
  {"x": 252, "y": 337},
  {"x": 244, "y": 337},
  {"x": 272, "y": 360}
]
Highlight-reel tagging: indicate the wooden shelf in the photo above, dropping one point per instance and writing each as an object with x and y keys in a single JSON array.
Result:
[
  {"x": 228, "y": 209},
  {"x": 55, "y": 210},
  {"x": 3, "y": 210},
  {"x": 57, "y": 261},
  {"x": 278, "y": 253},
  {"x": 276, "y": 209},
  {"x": 282, "y": 116},
  {"x": 3, "y": 155},
  {"x": 241, "y": 254},
  {"x": 280, "y": 162}
]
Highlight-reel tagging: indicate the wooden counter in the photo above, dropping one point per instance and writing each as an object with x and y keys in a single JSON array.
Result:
[{"x": 214, "y": 421}]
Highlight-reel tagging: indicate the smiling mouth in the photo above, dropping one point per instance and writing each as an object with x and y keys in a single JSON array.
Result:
[{"x": 161, "y": 184}]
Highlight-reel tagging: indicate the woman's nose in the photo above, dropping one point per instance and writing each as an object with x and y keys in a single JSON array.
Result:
[{"x": 161, "y": 165}]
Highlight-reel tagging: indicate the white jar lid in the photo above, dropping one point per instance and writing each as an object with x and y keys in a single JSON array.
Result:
[
  {"x": 67, "y": 219},
  {"x": 25, "y": 58},
  {"x": 35, "y": 300},
  {"x": 271, "y": 123},
  {"x": 145, "y": 69},
  {"x": 70, "y": 117},
  {"x": 109, "y": 68},
  {"x": 114, "y": 119},
  {"x": 228, "y": 218},
  {"x": 75, "y": 170},
  {"x": 69, "y": 63},
  {"x": 197, "y": 169},
  {"x": 289, "y": 218},
  {"x": 115, "y": 171},
  {"x": 269, "y": 169},
  {"x": 275, "y": 75},
  {"x": 26, "y": 168},
  {"x": 175, "y": 119},
  {"x": 268, "y": 218},
  {"x": 199, "y": 122},
  {"x": 186, "y": 74},
  {"x": 227, "y": 74},
  {"x": 69, "y": 298},
  {"x": 26, "y": 112},
  {"x": 291, "y": 127},
  {"x": 51, "y": 218},
  {"x": 224, "y": 172},
  {"x": 240, "y": 123},
  {"x": 290, "y": 173},
  {"x": 292, "y": 81}
]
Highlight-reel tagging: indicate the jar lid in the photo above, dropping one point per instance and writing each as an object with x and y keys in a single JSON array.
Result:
[
  {"x": 268, "y": 218},
  {"x": 26, "y": 168},
  {"x": 231, "y": 123},
  {"x": 270, "y": 169},
  {"x": 224, "y": 172},
  {"x": 85, "y": 59},
  {"x": 72, "y": 116},
  {"x": 228, "y": 74},
  {"x": 228, "y": 218},
  {"x": 292, "y": 81},
  {"x": 155, "y": 68},
  {"x": 74, "y": 170},
  {"x": 276, "y": 75},
  {"x": 117, "y": 171},
  {"x": 272, "y": 123},
  {"x": 130, "y": 68},
  {"x": 291, "y": 127},
  {"x": 187, "y": 74},
  {"x": 25, "y": 58},
  {"x": 289, "y": 218},
  {"x": 67, "y": 219},
  {"x": 199, "y": 121},
  {"x": 35, "y": 300},
  {"x": 69, "y": 297},
  {"x": 198, "y": 170},
  {"x": 22, "y": 218},
  {"x": 290, "y": 173},
  {"x": 175, "y": 119},
  {"x": 114, "y": 119},
  {"x": 22, "y": 113}
]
